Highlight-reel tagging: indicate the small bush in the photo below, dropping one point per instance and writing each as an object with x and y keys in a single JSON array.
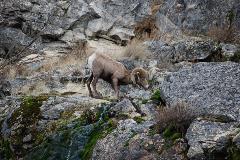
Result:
[
  {"x": 224, "y": 34},
  {"x": 136, "y": 50},
  {"x": 171, "y": 133},
  {"x": 80, "y": 50},
  {"x": 176, "y": 118},
  {"x": 236, "y": 57},
  {"x": 156, "y": 4},
  {"x": 144, "y": 101},
  {"x": 73, "y": 61},
  {"x": 156, "y": 96},
  {"x": 138, "y": 119},
  {"x": 146, "y": 29}
]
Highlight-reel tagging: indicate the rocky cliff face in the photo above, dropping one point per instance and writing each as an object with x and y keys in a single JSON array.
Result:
[
  {"x": 198, "y": 16},
  {"x": 56, "y": 25},
  {"x": 192, "y": 52}
]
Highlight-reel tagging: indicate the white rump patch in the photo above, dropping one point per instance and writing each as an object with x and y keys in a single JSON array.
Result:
[{"x": 90, "y": 60}]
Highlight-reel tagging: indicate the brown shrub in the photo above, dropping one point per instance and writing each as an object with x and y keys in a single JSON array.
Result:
[
  {"x": 146, "y": 29},
  {"x": 15, "y": 70},
  {"x": 156, "y": 4},
  {"x": 179, "y": 117},
  {"x": 69, "y": 62},
  {"x": 80, "y": 50},
  {"x": 224, "y": 34}
]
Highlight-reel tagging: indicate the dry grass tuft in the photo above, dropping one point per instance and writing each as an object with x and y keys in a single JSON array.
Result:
[
  {"x": 80, "y": 50},
  {"x": 33, "y": 89},
  {"x": 179, "y": 117},
  {"x": 136, "y": 50},
  {"x": 156, "y": 4},
  {"x": 224, "y": 34},
  {"x": 15, "y": 70},
  {"x": 70, "y": 62}
]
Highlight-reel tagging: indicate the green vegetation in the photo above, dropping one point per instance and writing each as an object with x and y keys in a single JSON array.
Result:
[
  {"x": 152, "y": 131},
  {"x": 5, "y": 149},
  {"x": 138, "y": 119},
  {"x": 233, "y": 153},
  {"x": 126, "y": 144},
  {"x": 156, "y": 96},
  {"x": 29, "y": 110},
  {"x": 89, "y": 128},
  {"x": 236, "y": 57},
  {"x": 230, "y": 17},
  {"x": 144, "y": 101},
  {"x": 26, "y": 116},
  {"x": 100, "y": 131},
  {"x": 122, "y": 116},
  {"x": 171, "y": 133}
]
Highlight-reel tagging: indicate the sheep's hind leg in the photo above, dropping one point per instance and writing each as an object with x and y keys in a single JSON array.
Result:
[
  {"x": 89, "y": 81},
  {"x": 94, "y": 84}
]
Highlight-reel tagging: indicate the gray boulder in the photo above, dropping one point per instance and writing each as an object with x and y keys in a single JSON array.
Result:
[
  {"x": 184, "y": 50},
  {"x": 229, "y": 50},
  {"x": 116, "y": 19},
  {"x": 54, "y": 26},
  {"x": 236, "y": 140},
  {"x": 124, "y": 107},
  {"x": 209, "y": 138},
  {"x": 198, "y": 16},
  {"x": 123, "y": 142},
  {"x": 211, "y": 88},
  {"x": 52, "y": 109},
  {"x": 5, "y": 88}
]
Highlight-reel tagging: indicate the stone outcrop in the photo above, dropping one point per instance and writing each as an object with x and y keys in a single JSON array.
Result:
[
  {"x": 46, "y": 113},
  {"x": 210, "y": 138},
  {"x": 209, "y": 87},
  {"x": 197, "y": 16},
  {"x": 55, "y": 26}
]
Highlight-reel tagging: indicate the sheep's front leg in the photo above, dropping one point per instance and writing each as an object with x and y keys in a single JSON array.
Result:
[
  {"x": 115, "y": 87},
  {"x": 94, "y": 84},
  {"x": 89, "y": 80}
]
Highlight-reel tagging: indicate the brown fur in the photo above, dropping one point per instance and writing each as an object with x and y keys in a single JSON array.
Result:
[{"x": 113, "y": 72}]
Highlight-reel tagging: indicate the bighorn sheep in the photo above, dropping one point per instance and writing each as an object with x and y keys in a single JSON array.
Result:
[{"x": 113, "y": 72}]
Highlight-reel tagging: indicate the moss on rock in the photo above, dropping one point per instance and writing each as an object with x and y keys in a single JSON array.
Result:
[
  {"x": 100, "y": 131},
  {"x": 23, "y": 122}
]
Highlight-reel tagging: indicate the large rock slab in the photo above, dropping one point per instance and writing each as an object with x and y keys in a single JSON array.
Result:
[
  {"x": 211, "y": 88},
  {"x": 117, "y": 145},
  {"x": 118, "y": 17},
  {"x": 197, "y": 15},
  {"x": 188, "y": 49},
  {"x": 209, "y": 138},
  {"x": 54, "y": 26}
]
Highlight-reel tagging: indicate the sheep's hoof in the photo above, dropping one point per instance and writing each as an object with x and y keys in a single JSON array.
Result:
[
  {"x": 98, "y": 96},
  {"x": 91, "y": 95}
]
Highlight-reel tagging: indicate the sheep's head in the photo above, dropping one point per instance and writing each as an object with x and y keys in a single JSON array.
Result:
[{"x": 140, "y": 76}]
